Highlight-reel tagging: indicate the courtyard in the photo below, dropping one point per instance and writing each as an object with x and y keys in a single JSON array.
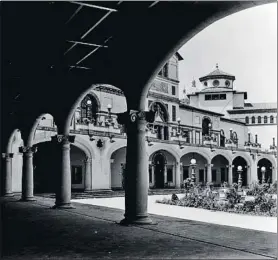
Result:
[{"x": 33, "y": 230}]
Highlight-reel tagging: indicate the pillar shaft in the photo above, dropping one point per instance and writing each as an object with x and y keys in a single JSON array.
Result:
[
  {"x": 88, "y": 175},
  {"x": 178, "y": 176},
  {"x": 136, "y": 177},
  {"x": 230, "y": 175},
  {"x": 7, "y": 189},
  {"x": 28, "y": 175},
  {"x": 209, "y": 177},
  {"x": 63, "y": 192}
]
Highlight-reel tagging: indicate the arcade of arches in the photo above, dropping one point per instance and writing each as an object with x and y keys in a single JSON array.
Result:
[{"x": 90, "y": 165}]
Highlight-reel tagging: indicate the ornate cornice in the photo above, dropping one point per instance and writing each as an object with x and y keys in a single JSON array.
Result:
[
  {"x": 28, "y": 149},
  {"x": 163, "y": 97},
  {"x": 109, "y": 90},
  {"x": 253, "y": 111}
]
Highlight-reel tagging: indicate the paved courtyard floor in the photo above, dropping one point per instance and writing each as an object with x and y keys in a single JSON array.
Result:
[
  {"x": 32, "y": 230},
  {"x": 260, "y": 223}
]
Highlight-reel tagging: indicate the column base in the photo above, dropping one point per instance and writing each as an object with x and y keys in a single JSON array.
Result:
[
  {"x": 8, "y": 195},
  {"x": 28, "y": 199},
  {"x": 137, "y": 221},
  {"x": 63, "y": 206}
]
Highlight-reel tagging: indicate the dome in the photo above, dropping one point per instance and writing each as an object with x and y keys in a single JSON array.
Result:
[{"x": 217, "y": 74}]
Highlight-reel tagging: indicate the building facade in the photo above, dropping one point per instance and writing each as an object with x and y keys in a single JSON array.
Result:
[{"x": 214, "y": 126}]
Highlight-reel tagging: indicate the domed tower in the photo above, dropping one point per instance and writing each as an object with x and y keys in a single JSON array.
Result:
[
  {"x": 217, "y": 79},
  {"x": 217, "y": 93}
]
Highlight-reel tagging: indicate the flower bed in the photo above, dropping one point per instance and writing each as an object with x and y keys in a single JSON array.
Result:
[{"x": 262, "y": 203}]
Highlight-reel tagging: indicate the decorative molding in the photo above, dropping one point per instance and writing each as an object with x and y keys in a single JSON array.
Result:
[
  {"x": 163, "y": 97},
  {"x": 252, "y": 111},
  {"x": 28, "y": 149},
  {"x": 159, "y": 86},
  {"x": 63, "y": 138},
  {"x": 109, "y": 90}
]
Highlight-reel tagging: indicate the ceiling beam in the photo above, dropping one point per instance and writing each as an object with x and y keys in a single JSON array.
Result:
[
  {"x": 80, "y": 67},
  {"x": 91, "y": 29},
  {"x": 74, "y": 14},
  {"x": 153, "y": 4},
  {"x": 89, "y": 44},
  {"x": 90, "y": 53},
  {"x": 95, "y": 6}
]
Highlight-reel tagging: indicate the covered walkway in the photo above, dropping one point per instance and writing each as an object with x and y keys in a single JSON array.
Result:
[{"x": 33, "y": 230}]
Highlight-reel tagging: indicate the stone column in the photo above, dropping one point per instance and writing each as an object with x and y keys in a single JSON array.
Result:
[
  {"x": 7, "y": 189},
  {"x": 136, "y": 177},
  {"x": 178, "y": 175},
  {"x": 63, "y": 192},
  {"x": 274, "y": 174},
  {"x": 230, "y": 174},
  {"x": 209, "y": 177},
  {"x": 27, "y": 173},
  {"x": 153, "y": 181},
  {"x": 88, "y": 174}
]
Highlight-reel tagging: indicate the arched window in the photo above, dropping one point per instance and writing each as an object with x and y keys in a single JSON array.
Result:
[
  {"x": 205, "y": 126},
  {"x": 222, "y": 138},
  {"x": 265, "y": 119},
  {"x": 271, "y": 119},
  {"x": 253, "y": 120},
  {"x": 259, "y": 120},
  {"x": 247, "y": 120},
  {"x": 89, "y": 108}
]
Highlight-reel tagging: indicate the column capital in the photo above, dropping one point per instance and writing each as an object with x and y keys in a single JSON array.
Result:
[
  {"x": 63, "y": 138},
  {"x": 133, "y": 116},
  {"x": 28, "y": 149},
  {"x": 88, "y": 159},
  {"x": 7, "y": 155}
]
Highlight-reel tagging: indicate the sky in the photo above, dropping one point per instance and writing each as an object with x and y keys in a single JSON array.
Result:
[{"x": 243, "y": 44}]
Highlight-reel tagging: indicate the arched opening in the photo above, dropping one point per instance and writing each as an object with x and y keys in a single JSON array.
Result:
[
  {"x": 271, "y": 119},
  {"x": 222, "y": 138},
  {"x": 240, "y": 161},
  {"x": 77, "y": 161},
  {"x": 88, "y": 110},
  {"x": 253, "y": 120},
  {"x": 265, "y": 119},
  {"x": 160, "y": 126},
  {"x": 118, "y": 165},
  {"x": 46, "y": 168},
  {"x": 259, "y": 119},
  {"x": 219, "y": 170},
  {"x": 206, "y": 124},
  {"x": 247, "y": 120},
  {"x": 200, "y": 170},
  {"x": 162, "y": 170},
  {"x": 268, "y": 170}
]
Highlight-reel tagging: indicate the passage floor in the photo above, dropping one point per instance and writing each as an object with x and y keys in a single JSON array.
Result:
[{"x": 32, "y": 230}]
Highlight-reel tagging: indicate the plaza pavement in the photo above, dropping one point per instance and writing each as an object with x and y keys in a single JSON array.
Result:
[
  {"x": 260, "y": 223},
  {"x": 33, "y": 230}
]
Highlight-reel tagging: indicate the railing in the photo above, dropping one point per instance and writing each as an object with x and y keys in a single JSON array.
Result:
[{"x": 105, "y": 126}]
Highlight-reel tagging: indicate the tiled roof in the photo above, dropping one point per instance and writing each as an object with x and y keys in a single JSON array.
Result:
[
  {"x": 217, "y": 73},
  {"x": 260, "y": 106}
]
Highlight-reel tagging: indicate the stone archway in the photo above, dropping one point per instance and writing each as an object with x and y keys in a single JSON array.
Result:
[
  {"x": 220, "y": 169},
  {"x": 267, "y": 178},
  {"x": 240, "y": 161}
]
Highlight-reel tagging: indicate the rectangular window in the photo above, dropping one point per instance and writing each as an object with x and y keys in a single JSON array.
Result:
[
  {"x": 76, "y": 174},
  {"x": 223, "y": 175},
  {"x": 169, "y": 175},
  {"x": 222, "y": 96},
  {"x": 215, "y": 97},
  {"x": 213, "y": 175},
  {"x": 201, "y": 175},
  {"x": 173, "y": 90},
  {"x": 185, "y": 172},
  {"x": 207, "y": 97},
  {"x": 174, "y": 113}
]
